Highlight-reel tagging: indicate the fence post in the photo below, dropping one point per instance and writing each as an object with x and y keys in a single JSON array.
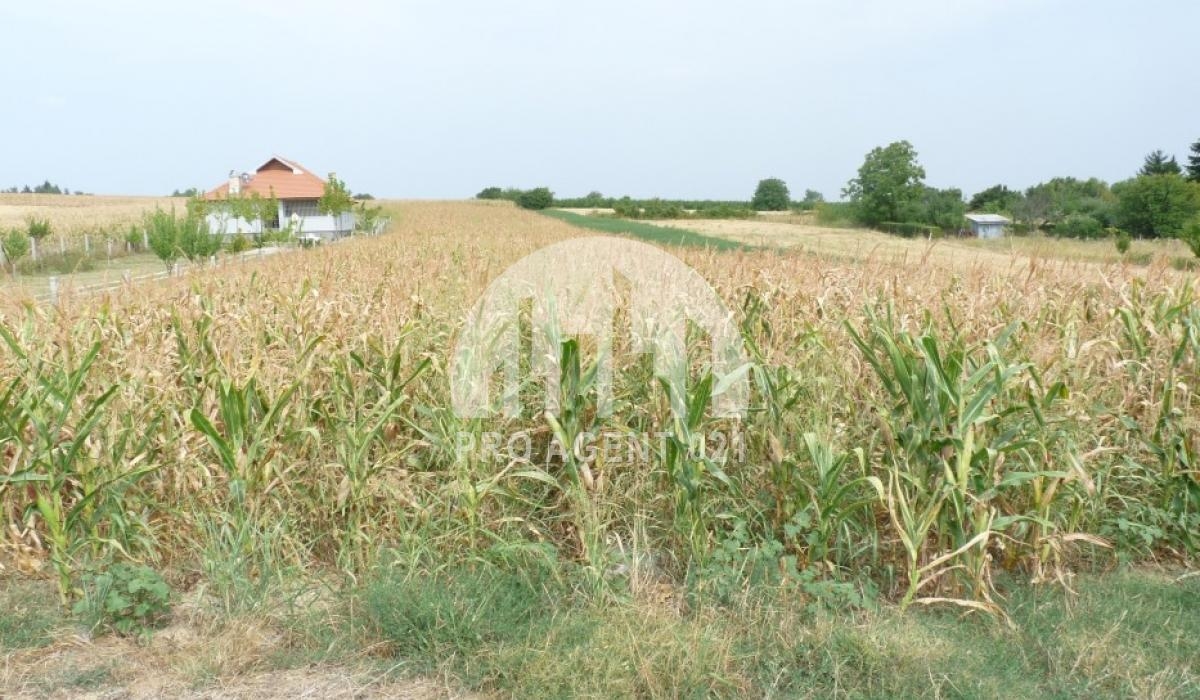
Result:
[
  {"x": 54, "y": 290},
  {"x": 145, "y": 240},
  {"x": 34, "y": 247},
  {"x": 87, "y": 245},
  {"x": 62, "y": 245},
  {"x": 110, "y": 250},
  {"x": 127, "y": 277}
]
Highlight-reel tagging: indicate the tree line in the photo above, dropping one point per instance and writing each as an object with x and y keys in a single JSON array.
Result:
[
  {"x": 1162, "y": 199},
  {"x": 771, "y": 195},
  {"x": 46, "y": 187}
]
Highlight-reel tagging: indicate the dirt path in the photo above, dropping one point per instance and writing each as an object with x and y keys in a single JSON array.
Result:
[{"x": 170, "y": 666}]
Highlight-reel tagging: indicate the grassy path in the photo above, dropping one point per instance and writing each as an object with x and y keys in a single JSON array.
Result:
[{"x": 669, "y": 235}]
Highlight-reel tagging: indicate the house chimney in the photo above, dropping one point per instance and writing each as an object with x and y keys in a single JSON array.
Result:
[{"x": 235, "y": 183}]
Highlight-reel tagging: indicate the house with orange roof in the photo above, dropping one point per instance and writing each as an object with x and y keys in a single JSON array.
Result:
[{"x": 294, "y": 187}]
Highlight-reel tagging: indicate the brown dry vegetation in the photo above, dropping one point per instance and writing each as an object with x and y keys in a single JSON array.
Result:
[
  {"x": 1100, "y": 372},
  {"x": 74, "y": 215},
  {"x": 797, "y": 231}
]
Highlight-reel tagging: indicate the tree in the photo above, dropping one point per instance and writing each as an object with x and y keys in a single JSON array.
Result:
[
  {"x": 195, "y": 240},
  {"x": 811, "y": 199},
  {"x": 1052, "y": 201},
  {"x": 162, "y": 233},
  {"x": 1079, "y": 226},
  {"x": 336, "y": 199},
  {"x": 14, "y": 245},
  {"x": 38, "y": 229},
  {"x": 1193, "y": 166},
  {"x": 771, "y": 195},
  {"x": 1157, "y": 163},
  {"x": 490, "y": 193},
  {"x": 1156, "y": 205},
  {"x": 1191, "y": 236},
  {"x": 942, "y": 208},
  {"x": 889, "y": 182},
  {"x": 536, "y": 199},
  {"x": 996, "y": 199}
]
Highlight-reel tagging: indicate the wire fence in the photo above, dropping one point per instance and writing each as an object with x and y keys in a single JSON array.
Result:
[{"x": 53, "y": 288}]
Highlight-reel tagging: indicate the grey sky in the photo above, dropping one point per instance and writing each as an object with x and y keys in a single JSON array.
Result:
[{"x": 699, "y": 99}]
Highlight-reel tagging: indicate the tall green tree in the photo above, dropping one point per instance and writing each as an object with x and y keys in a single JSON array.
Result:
[
  {"x": 1157, "y": 163},
  {"x": 538, "y": 198},
  {"x": 771, "y": 195},
  {"x": 996, "y": 199},
  {"x": 1193, "y": 166},
  {"x": 1048, "y": 203},
  {"x": 889, "y": 183},
  {"x": 1156, "y": 205},
  {"x": 942, "y": 208}
]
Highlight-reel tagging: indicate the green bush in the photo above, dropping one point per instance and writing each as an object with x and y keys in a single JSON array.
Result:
[
  {"x": 134, "y": 239},
  {"x": 15, "y": 245},
  {"x": 238, "y": 244},
  {"x": 658, "y": 209},
  {"x": 723, "y": 211},
  {"x": 835, "y": 213},
  {"x": 626, "y": 208},
  {"x": 909, "y": 229},
  {"x": 1121, "y": 239},
  {"x": 1191, "y": 236},
  {"x": 131, "y": 600},
  {"x": 536, "y": 199},
  {"x": 1079, "y": 226}
]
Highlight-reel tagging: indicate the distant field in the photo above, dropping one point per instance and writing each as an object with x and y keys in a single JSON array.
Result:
[
  {"x": 74, "y": 215},
  {"x": 864, "y": 245}
]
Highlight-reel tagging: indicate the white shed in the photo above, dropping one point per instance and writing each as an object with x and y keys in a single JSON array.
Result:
[{"x": 987, "y": 225}]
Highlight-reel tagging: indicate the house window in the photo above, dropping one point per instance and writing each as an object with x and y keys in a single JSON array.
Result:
[{"x": 306, "y": 207}]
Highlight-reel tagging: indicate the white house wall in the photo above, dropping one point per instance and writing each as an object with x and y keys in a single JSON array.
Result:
[
  {"x": 232, "y": 225},
  {"x": 322, "y": 225}
]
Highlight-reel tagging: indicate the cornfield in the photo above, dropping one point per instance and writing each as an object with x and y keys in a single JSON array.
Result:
[
  {"x": 922, "y": 428},
  {"x": 72, "y": 216}
]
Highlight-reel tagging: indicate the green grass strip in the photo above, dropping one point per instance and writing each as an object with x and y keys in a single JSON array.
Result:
[{"x": 664, "y": 235}]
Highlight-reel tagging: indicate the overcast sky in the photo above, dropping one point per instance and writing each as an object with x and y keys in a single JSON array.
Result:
[{"x": 697, "y": 100}]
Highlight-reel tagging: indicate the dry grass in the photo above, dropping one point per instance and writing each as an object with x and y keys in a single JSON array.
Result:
[
  {"x": 74, "y": 215},
  {"x": 1014, "y": 252}
]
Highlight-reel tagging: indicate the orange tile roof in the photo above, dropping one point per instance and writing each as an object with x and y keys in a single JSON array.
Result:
[{"x": 281, "y": 178}]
